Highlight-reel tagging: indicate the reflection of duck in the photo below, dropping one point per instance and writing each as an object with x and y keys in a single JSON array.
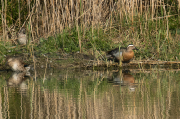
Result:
[
  {"x": 16, "y": 78},
  {"x": 129, "y": 80},
  {"x": 22, "y": 38},
  {"x": 123, "y": 54},
  {"x": 16, "y": 64},
  {"x": 124, "y": 79}
]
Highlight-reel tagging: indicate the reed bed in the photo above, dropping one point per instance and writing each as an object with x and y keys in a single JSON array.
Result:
[{"x": 46, "y": 18}]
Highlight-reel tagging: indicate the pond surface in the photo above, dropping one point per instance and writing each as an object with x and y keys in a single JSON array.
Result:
[{"x": 109, "y": 94}]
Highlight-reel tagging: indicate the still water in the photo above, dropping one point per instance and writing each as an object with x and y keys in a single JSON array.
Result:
[{"x": 115, "y": 94}]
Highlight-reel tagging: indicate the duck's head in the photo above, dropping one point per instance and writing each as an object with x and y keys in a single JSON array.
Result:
[{"x": 131, "y": 47}]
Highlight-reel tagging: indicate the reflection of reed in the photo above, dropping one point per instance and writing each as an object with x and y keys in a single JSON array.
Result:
[{"x": 157, "y": 96}]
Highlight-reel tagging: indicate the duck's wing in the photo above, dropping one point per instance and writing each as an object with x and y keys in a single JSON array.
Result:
[{"x": 116, "y": 50}]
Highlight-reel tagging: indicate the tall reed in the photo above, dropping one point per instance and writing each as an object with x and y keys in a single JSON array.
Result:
[{"x": 50, "y": 17}]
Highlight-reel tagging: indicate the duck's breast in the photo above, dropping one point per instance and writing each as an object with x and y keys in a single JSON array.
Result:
[{"x": 128, "y": 55}]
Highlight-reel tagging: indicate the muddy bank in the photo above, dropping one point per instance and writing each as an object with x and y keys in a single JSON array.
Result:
[{"x": 84, "y": 61}]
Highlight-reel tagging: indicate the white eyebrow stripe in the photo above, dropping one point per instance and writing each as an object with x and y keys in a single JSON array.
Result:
[{"x": 130, "y": 45}]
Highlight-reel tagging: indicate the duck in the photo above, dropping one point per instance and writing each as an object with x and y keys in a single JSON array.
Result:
[
  {"x": 123, "y": 54},
  {"x": 22, "y": 37},
  {"x": 16, "y": 64}
]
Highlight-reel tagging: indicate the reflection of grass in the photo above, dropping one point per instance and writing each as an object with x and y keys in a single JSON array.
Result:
[
  {"x": 156, "y": 90},
  {"x": 3, "y": 78},
  {"x": 76, "y": 83},
  {"x": 150, "y": 87},
  {"x": 73, "y": 85}
]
